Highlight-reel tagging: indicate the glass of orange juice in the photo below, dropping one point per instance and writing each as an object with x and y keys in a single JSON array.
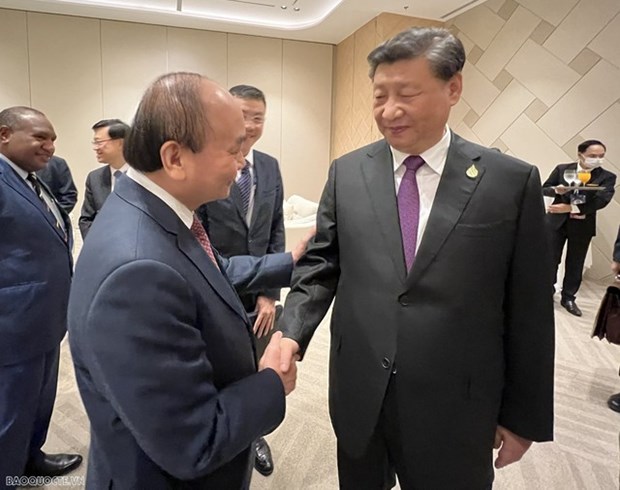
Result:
[{"x": 584, "y": 176}]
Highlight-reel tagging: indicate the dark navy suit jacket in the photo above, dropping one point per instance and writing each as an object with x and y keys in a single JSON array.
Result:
[
  {"x": 164, "y": 353},
  {"x": 226, "y": 223},
  {"x": 97, "y": 189},
  {"x": 35, "y": 271}
]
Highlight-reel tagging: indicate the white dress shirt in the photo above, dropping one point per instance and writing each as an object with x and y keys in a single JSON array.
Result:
[
  {"x": 181, "y": 210},
  {"x": 427, "y": 177}
]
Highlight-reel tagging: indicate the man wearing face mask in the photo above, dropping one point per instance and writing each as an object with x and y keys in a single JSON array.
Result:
[{"x": 571, "y": 217}]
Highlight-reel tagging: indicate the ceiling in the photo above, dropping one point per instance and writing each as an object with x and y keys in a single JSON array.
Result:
[{"x": 328, "y": 21}]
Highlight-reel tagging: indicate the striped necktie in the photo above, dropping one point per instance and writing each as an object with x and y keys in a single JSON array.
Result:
[
  {"x": 244, "y": 182},
  {"x": 34, "y": 181}
]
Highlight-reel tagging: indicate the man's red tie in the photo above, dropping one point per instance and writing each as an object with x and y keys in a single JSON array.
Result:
[{"x": 201, "y": 235}]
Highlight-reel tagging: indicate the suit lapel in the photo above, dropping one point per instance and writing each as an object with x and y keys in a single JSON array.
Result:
[
  {"x": 150, "y": 204},
  {"x": 378, "y": 175},
  {"x": 454, "y": 192},
  {"x": 194, "y": 252},
  {"x": 259, "y": 179},
  {"x": 106, "y": 181},
  {"x": 20, "y": 186}
]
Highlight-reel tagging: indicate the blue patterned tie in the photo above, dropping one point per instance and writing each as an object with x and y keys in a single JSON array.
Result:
[
  {"x": 409, "y": 208},
  {"x": 244, "y": 182}
]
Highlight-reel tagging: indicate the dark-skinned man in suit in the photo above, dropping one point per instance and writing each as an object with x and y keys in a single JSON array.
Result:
[
  {"x": 251, "y": 222},
  {"x": 35, "y": 276},
  {"x": 432, "y": 248}
]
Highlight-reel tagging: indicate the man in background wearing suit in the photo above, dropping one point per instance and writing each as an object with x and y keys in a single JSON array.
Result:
[
  {"x": 614, "y": 400},
  {"x": 109, "y": 135},
  {"x": 35, "y": 256},
  {"x": 251, "y": 222},
  {"x": 162, "y": 346},
  {"x": 573, "y": 222},
  {"x": 442, "y": 335},
  {"x": 57, "y": 176}
]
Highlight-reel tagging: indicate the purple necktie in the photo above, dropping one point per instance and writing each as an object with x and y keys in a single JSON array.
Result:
[{"x": 409, "y": 208}]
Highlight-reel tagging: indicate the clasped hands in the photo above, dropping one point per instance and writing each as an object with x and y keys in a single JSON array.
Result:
[{"x": 281, "y": 355}]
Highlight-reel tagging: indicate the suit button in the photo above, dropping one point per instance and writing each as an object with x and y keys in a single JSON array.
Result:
[
  {"x": 403, "y": 300},
  {"x": 385, "y": 363}
]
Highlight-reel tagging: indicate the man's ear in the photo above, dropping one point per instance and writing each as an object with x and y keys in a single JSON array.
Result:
[
  {"x": 5, "y": 134},
  {"x": 171, "y": 154}
]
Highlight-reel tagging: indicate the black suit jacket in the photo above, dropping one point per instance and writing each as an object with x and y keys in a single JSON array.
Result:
[
  {"x": 163, "y": 352},
  {"x": 469, "y": 329},
  {"x": 97, "y": 190},
  {"x": 594, "y": 200},
  {"x": 57, "y": 176},
  {"x": 617, "y": 247},
  {"x": 227, "y": 227}
]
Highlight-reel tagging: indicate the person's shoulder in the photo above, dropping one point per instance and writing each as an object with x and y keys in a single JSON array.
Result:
[
  {"x": 368, "y": 151},
  {"x": 493, "y": 156},
  {"x": 262, "y": 158},
  {"x": 98, "y": 172}
]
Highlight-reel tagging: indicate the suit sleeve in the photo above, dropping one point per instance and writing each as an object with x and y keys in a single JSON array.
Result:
[
  {"x": 89, "y": 211},
  {"x": 252, "y": 274},
  {"x": 617, "y": 247},
  {"x": 276, "y": 235},
  {"x": 600, "y": 199},
  {"x": 316, "y": 274},
  {"x": 66, "y": 191},
  {"x": 527, "y": 401},
  {"x": 150, "y": 361},
  {"x": 553, "y": 180}
]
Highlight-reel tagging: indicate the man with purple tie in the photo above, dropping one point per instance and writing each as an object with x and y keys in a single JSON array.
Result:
[{"x": 432, "y": 249}]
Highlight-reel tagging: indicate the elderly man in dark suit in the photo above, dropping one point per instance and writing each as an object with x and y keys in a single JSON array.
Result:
[
  {"x": 35, "y": 257},
  {"x": 442, "y": 335},
  {"x": 573, "y": 222},
  {"x": 162, "y": 346},
  {"x": 251, "y": 222},
  {"x": 57, "y": 176},
  {"x": 108, "y": 138}
]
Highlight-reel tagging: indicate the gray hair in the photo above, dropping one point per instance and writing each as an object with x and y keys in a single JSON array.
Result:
[{"x": 443, "y": 50}]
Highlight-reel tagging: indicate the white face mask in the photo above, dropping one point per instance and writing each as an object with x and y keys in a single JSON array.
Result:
[{"x": 591, "y": 163}]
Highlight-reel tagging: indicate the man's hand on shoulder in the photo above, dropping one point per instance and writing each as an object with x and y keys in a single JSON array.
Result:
[
  {"x": 511, "y": 447},
  {"x": 302, "y": 245}
]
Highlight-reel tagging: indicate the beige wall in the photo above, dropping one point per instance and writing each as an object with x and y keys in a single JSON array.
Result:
[
  {"x": 80, "y": 70},
  {"x": 541, "y": 77}
]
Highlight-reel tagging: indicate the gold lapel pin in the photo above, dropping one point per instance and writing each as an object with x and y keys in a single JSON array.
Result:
[{"x": 472, "y": 172}]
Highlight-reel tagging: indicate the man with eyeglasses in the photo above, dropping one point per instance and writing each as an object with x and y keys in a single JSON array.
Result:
[
  {"x": 251, "y": 222},
  {"x": 108, "y": 138}
]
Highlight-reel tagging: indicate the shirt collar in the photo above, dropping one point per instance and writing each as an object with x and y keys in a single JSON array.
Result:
[
  {"x": 250, "y": 158},
  {"x": 183, "y": 212},
  {"x": 20, "y": 171},
  {"x": 435, "y": 156}
]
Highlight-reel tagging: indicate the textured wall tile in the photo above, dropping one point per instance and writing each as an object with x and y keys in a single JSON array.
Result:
[
  {"x": 580, "y": 26},
  {"x": 478, "y": 91},
  {"x": 536, "y": 110},
  {"x": 507, "y": 42},
  {"x": 606, "y": 128},
  {"x": 501, "y": 114},
  {"x": 542, "y": 73},
  {"x": 591, "y": 96},
  {"x": 584, "y": 61},
  {"x": 480, "y": 24},
  {"x": 553, "y": 11},
  {"x": 542, "y": 32},
  {"x": 607, "y": 42}
]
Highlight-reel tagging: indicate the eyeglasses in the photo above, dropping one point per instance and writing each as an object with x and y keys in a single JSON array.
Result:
[
  {"x": 98, "y": 143},
  {"x": 258, "y": 120}
]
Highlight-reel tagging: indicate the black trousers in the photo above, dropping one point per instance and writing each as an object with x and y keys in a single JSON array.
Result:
[
  {"x": 384, "y": 457},
  {"x": 576, "y": 252}
]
